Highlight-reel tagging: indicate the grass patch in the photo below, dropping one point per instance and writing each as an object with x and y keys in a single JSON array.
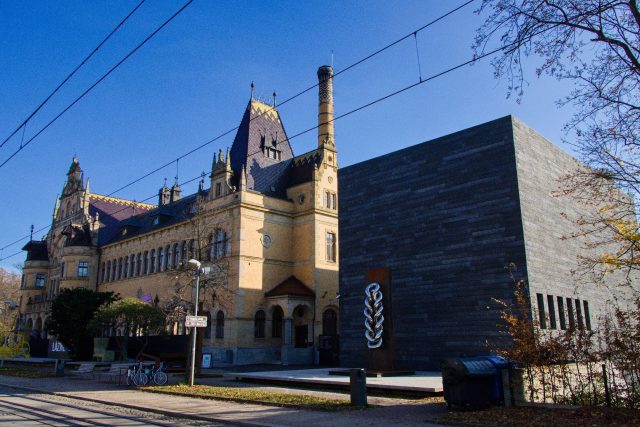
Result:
[
  {"x": 545, "y": 416},
  {"x": 251, "y": 395},
  {"x": 25, "y": 373}
]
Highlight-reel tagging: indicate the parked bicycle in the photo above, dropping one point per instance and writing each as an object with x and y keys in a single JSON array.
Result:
[{"x": 140, "y": 375}]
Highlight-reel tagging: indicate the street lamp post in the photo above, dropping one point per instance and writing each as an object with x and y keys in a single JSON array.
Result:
[{"x": 196, "y": 265}]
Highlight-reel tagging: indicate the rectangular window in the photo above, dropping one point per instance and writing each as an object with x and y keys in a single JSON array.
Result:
[
  {"x": 587, "y": 316},
  {"x": 62, "y": 270},
  {"x": 83, "y": 269},
  {"x": 218, "y": 189},
  {"x": 579, "y": 314},
  {"x": 572, "y": 319},
  {"x": 552, "y": 312},
  {"x": 331, "y": 247},
  {"x": 40, "y": 281},
  {"x": 329, "y": 200},
  {"x": 541, "y": 315},
  {"x": 561, "y": 316}
]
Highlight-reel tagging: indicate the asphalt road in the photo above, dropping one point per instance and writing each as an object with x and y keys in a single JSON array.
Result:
[{"x": 28, "y": 409}]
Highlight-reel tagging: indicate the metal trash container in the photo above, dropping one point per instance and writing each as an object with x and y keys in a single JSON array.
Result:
[
  {"x": 501, "y": 364},
  {"x": 358, "y": 387},
  {"x": 469, "y": 382}
]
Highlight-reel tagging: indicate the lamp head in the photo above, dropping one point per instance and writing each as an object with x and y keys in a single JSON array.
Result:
[{"x": 194, "y": 263}]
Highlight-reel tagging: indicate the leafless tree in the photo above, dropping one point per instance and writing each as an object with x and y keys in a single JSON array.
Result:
[
  {"x": 594, "y": 45},
  {"x": 209, "y": 244}
]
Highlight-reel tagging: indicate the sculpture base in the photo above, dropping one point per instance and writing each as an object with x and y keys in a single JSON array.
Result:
[{"x": 374, "y": 373}]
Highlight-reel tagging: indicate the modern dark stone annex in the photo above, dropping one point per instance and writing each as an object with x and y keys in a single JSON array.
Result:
[{"x": 446, "y": 216}]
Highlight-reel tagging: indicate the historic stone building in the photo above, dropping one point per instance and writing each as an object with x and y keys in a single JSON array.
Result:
[
  {"x": 446, "y": 217},
  {"x": 269, "y": 216}
]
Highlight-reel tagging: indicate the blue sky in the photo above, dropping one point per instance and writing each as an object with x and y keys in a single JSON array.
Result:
[{"x": 191, "y": 82}]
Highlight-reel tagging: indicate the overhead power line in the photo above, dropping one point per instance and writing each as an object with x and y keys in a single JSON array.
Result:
[
  {"x": 351, "y": 66},
  {"x": 33, "y": 113},
  {"x": 104, "y": 76}
]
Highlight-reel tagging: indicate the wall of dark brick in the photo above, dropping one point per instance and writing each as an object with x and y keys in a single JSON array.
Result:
[{"x": 445, "y": 217}]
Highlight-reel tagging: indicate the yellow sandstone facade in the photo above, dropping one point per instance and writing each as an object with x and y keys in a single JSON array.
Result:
[{"x": 271, "y": 218}]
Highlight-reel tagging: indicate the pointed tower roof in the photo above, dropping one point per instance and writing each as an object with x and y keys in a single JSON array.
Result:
[{"x": 261, "y": 127}]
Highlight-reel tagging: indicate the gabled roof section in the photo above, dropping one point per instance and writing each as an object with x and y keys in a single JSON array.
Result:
[
  {"x": 112, "y": 212},
  {"x": 261, "y": 128},
  {"x": 303, "y": 166},
  {"x": 291, "y": 287},
  {"x": 152, "y": 219}
]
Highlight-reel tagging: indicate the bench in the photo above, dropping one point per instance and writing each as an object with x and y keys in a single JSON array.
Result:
[
  {"x": 116, "y": 371},
  {"x": 84, "y": 369}
]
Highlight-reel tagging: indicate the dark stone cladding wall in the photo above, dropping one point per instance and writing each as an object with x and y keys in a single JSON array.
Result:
[{"x": 444, "y": 215}]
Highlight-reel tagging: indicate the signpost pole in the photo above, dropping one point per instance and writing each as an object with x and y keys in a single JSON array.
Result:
[{"x": 196, "y": 264}]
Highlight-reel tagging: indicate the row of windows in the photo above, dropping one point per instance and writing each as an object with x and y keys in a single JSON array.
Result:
[
  {"x": 164, "y": 258},
  {"x": 575, "y": 311}
]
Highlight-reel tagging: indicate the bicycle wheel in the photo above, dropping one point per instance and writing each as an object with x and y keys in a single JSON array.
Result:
[
  {"x": 160, "y": 378},
  {"x": 140, "y": 379}
]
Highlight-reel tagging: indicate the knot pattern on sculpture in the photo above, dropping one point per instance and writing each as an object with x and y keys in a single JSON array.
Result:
[{"x": 373, "y": 318}]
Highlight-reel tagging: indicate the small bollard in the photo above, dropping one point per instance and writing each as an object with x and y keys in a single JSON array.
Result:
[
  {"x": 358, "y": 386},
  {"x": 59, "y": 368}
]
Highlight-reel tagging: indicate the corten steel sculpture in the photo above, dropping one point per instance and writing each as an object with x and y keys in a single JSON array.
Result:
[{"x": 374, "y": 319}]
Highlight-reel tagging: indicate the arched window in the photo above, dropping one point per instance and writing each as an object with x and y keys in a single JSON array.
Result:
[
  {"x": 102, "y": 272},
  {"x": 139, "y": 271},
  {"x": 207, "y": 330},
  {"x": 329, "y": 322},
  {"x": 152, "y": 263},
  {"x": 211, "y": 255},
  {"x": 160, "y": 259},
  {"x": 134, "y": 264},
  {"x": 126, "y": 267},
  {"x": 167, "y": 260},
  {"x": 220, "y": 324},
  {"x": 119, "y": 268},
  {"x": 106, "y": 277},
  {"x": 184, "y": 252},
  {"x": 220, "y": 244},
  {"x": 258, "y": 324},
  {"x": 176, "y": 255},
  {"x": 146, "y": 263},
  {"x": 276, "y": 322},
  {"x": 192, "y": 251},
  {"x": 29, "y": 324},
  {"x": 114, "y": 266}
]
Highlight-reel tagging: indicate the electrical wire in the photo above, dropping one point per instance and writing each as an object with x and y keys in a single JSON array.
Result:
[
  {"x": 353, "y": 65},
  {"x": 33, "y": 113},
  {"x": 104, "y": 76},
  {"x": 348, "y": 113}
]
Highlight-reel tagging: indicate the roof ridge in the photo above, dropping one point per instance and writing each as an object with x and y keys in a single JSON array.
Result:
[{"x": 121, "y": 201}]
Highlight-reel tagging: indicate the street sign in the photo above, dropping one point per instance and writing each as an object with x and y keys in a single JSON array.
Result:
[{"x": 197, "y": 321}]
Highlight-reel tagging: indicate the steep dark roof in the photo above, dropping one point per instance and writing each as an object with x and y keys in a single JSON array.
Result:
[
  {"x": 36, "y": 250},
  {"x": 302, "y": 167},
  {"x": 290, "y": 287},
  {"x": 153, "y": 219},
  {"x": 260, "y": 126},
  {"x": 112, "y": 212}
]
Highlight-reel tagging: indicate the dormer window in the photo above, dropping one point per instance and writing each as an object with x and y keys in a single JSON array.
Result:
[
  {"x": 156, "y": 221},
  {"x": 270, "y": 150},
  {"x": 218, "y": 189}
]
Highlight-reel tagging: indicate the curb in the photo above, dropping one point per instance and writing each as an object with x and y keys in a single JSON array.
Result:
[{"x": 168, "y": 413}]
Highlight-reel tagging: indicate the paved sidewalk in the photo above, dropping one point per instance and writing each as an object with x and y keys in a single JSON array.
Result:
[{"x": 394, "y": 411}]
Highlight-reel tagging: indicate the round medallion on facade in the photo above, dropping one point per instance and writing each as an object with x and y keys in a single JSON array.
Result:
[{"x": 266, "y": 240}]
